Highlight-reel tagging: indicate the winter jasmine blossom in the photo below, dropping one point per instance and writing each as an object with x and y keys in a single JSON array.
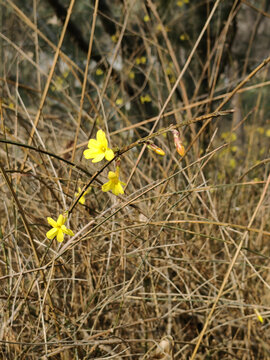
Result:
[
  {"x": 145, "y": 99},
  {"x": 82, "y": 198},
  {"x": 114, "y": 184},
  {"x": 119, "y": 101},
  {"x": 98, "y": 149},
  {"x": 99, "y": 72},
  {"x": 58, "y": 229}
]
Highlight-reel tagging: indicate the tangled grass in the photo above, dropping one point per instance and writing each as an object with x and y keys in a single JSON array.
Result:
[{"x": 178, "y": 265}]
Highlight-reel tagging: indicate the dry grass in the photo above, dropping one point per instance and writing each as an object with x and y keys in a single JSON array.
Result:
[{"x": 178, "y": 266}]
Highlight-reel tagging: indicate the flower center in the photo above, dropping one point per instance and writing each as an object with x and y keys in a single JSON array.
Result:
[
  {"x": 103, "y": 149},
  {"x": 115, "y": 181}
]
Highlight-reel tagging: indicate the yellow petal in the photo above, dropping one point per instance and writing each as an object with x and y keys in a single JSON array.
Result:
[
  {"x": 98, "y": 157},
  {"x": 60, "y": 236},
  {"x": 107, "y": 186},
  {"x": 67, "y": 231},
  {"x": 82, "y": 200},
  {"x": 119, "y": 101},
  {"x": 52, "y": 222},
  {"x": 52, "y": 233},
  {"x": 99, "y": 72},
  {"x": 91, "y": 153},
  {"x": 61, "y": 220},
  {"x": 112, "y": 175},
  {"x": 146, "y": 18},
  {"x": 109, "y": 155},
  {"x": 143, "y": 59},
  {"x": 93, "y": 144},
  {"x": 131, "y": 75},
  {"x": 70, "y": 232},
  {"x": 101, "y": 138},
  {"x": 118, "y": 189}
]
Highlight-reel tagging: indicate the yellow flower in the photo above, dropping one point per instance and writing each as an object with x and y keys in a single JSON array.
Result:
[
  {"x": 98, "y": 149},
  {"x": 143, "y": 60},
  {"x": 267, "y": 133},
  {"x": 99, "y": 72},
  {"x": 145, "y": 98},
  {"x": 58, "y": 228},
  {"x": 159, "y": 28},
  {"x": 182, "y": 37},
  {"x": 59, "y": 82},
  {"x": 114, "y": 184},
  {"x": 131, "y": 75},
  {"x": 119, "y": 101},
  {"x": 146, "y": 18},
  {"x": 229, "y": 136},
  {"x": 180, "y": 3},
  {"x": 232, "y": 163},
  {"x": 169, "y": 71},
  {"x": 65, "y": 74},
  {"x": 114, "y": 38},
  {"x": 82, "y": 198},
  {"x": 234, "y": 148}
]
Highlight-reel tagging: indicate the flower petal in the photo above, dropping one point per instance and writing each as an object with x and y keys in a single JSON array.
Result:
[
  {"x": 52, "y": 233},
  {"x": 67, "y": 231},
  {"x": 109, "y": 154},
  {"x": 118, "y": 189},
  {"x": 93, "y": 144},
  {"x": 61, "y": 220},
  {"x": 101, "y": 138},
  {"x": 112, "y": 175},
  {"x": 98, "y": 157},
  {"x": 90, "y": 153},
  {"x": 52, "y": 222},
  {"x": 107, "y": 186},
  {"x": 60, "y": 236},
  {"x": 82, "y": 200}
]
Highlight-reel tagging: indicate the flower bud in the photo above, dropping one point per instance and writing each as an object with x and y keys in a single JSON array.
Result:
[
  {"x": 259, "y": 316},
  {"x": 177, "y": 142},
  {"x": 155, "y": 148}
]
